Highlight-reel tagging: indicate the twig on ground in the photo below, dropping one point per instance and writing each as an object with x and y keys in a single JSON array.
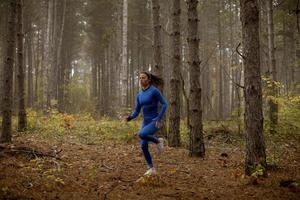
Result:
[
  {"x": 107, "y": 167},
  {"x": 127, "y": 181},
  {"x": 184, "y": 171},
  {"x": 33, "y": 153},
  {"x": 110, "y": 190},
  {"x": 116, "y": 184}
]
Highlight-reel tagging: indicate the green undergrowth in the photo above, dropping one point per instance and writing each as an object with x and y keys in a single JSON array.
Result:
[
  {"x": 81, "y": 128},
  {"x": 288, "y": 117},
  {"x": 84, "y": 129}
]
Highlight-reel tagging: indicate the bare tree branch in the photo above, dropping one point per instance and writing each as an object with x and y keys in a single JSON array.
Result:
[
  {"x": 237, "y": 84},
  {"x": 237, "y": 50},
  {"x": 204, "y": 65}
]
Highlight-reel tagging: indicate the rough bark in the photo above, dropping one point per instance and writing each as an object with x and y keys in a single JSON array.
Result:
[
  {"x": 255, "y": 145},
  {"x": 157, "y": 51},
  {"x": 157, "y": 45},
  {"x": 3, "y": 44},
  {"x": 20, "y": 66},
  {"x": 8, "y": 75},
  {"x": 195, "y": 111},
  {"x": 174, "y": 125}
]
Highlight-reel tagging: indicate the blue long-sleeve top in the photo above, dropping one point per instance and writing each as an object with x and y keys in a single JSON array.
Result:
[{"x": 148, "y": 100}]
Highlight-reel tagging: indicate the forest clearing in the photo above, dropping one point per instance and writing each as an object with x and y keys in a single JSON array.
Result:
[{"x": 99, "y": 160}]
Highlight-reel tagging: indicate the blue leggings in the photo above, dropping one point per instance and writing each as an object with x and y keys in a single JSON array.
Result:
[{"x": 147, "y": 135}]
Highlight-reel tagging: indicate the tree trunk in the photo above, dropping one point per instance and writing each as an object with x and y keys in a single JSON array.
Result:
[
  {"x": 263, "y": 39},
  {"x": 132, "y": 68},
  {"x": 255, "y": 145},
  {"x": 114, "y": 82},
  {"x": 128, "y": 89},
  {"x": 61, "y": 83},
  {"x": 3, "y": 44},
  {"x": 37, "y": 71},
  {"x": 157, "y": 51},
  {"x": 232, "y": 61},
  {"x": 274, "y": 91},
  {"x": 59, "y": 66},
  {"x": 195, "y": 126},
  {"x": 157, "y": 46},
  {"x": 238, "y": 76},
  {"x": 104, "y": 80},
  {"x": 206, "y": 69},
  {"x": 124, "y": 54},
  {"x": 66, "y": 79},
  {"x": 94, "y": 80},
  {"x": 221, "y": 66},
  {"x": 30, "y": 67},
  {"x": 8, "y": 75},
  {"x": 42, "y": 72},
  {"x": 174, "y": 126},
  {"x": 20, "y": 64},
  {"x": 47, "y": 61},
  {"x": 99, "y": 99},
  {"x": 53, "y": 55}
]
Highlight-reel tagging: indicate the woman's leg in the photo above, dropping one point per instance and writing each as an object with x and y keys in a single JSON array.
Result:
[
  {"x": 147, "y": 135},
  {"x": 144, "y": 145},
  {"x": 148, "y": 131}
]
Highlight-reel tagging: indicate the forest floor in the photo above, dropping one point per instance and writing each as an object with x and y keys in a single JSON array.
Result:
[{"x": 39, "y": 166}]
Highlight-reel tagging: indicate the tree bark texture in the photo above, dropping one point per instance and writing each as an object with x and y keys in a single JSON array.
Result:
[
  {"x": 255, "y": 145},
  {"x": 195, "y": 111},
  {"x": 174, "y": 119},
  {"x": 20, "y": 67},
  {"x": 8, "y": 75}
]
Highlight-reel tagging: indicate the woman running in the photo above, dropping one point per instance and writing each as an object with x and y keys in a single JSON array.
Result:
[{"x": 148, "y": 99}]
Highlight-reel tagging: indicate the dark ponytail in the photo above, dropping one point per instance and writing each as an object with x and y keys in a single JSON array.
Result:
[{"x": 154, "y": 80}]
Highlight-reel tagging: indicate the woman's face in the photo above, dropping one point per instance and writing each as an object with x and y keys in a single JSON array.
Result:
[{"x": 144, "y": 80}]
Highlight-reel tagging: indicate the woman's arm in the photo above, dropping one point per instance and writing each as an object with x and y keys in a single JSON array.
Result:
[
  {"x": 137, "y": 110},
  {"x": 163, "y": 102}
]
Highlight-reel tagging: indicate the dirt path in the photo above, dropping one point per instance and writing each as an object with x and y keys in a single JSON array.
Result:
[{"x": 110, "y": 171}]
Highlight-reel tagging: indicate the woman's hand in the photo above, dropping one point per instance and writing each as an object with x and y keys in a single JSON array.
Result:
[
  {"x": 158, "y": 124},
  {"x": 127, "y": 118}
]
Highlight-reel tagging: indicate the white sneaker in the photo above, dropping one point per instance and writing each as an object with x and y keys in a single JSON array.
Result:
[
  {"x": 150, "y": 171},
  {"x": 160, "y": 146}
]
